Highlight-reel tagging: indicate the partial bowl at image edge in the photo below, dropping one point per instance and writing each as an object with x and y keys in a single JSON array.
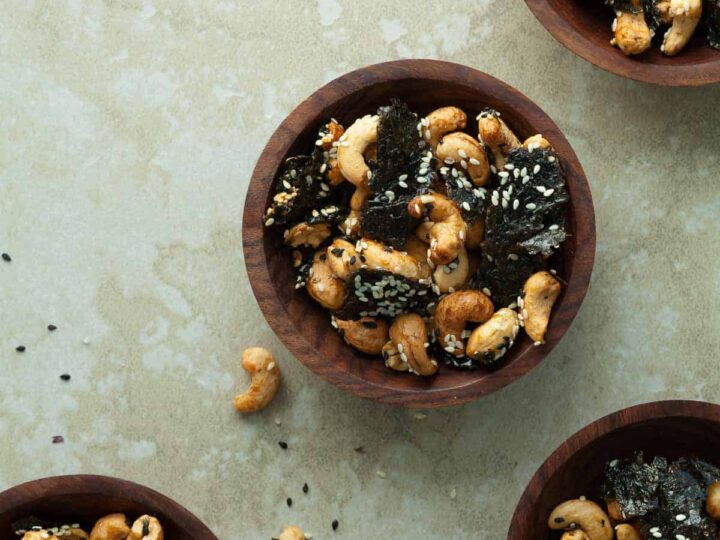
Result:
[{"x": 304, "y": 327}]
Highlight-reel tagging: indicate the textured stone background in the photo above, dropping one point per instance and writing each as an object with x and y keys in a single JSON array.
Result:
[{"x": 129, "y": 131}]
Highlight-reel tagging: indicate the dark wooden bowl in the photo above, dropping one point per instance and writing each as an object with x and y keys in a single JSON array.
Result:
[
  {"x": 86, "y": 498},
  {"x": 665, "y": 428},
  {"x": 583, "y": 26},
  {"x": 305, "y": 327}
]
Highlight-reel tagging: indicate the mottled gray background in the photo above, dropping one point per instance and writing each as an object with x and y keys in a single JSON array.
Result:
[{"x": 129, "y": 131}]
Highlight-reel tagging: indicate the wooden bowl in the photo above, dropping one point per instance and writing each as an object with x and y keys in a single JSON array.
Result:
[
  {"x": 583, "y": 26},
  {"x": 305, "y": 327},
  {"x": 664, "y": 428},
  {"x": 86, "y": 498}
]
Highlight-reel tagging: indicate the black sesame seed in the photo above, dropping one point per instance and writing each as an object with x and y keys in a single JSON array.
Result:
[
  {"x": 323, "y": 257},
  {"x": 283, "y": 445},
  {"x": 305, "y": 488},
  {"x": 337, "y": 252},
  {"x": 65, "y": 377},
  {"x": 57, "y": 439},
  {"x": 6, "y": 257},
  {"x": 353, "y": 259},
  {"x": 360, "y": 450},
  {"x": 335, "y": 524},
  {"x": 52, "y": 327},
  {"x": 369, "y": 324},
  {"x": 289, "y": 501},
  {"x": 20, "y": 348}
]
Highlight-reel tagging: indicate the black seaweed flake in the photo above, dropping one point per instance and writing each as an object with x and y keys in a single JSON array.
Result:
[
  {"x": 712, "y": 20},
  {"x": 379, "y": 293},
  {"x": 470, "y": 199},
  {"x": 504, "y": 275}
]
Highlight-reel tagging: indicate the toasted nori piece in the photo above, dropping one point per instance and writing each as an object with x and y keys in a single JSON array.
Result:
[
  {"x": 396, "y": 295},
  {"x": 470, "y": 199},
  {"x": 29, "y": 522},
  {"x": 388, "y": 222},
  {"x": 509, "y": 230},
  {"x": 505, "y": 276},
  {"x": 332, "y": 214},
  {"x": 711, "y": 10},
  {"x": 657, "y": 493}
]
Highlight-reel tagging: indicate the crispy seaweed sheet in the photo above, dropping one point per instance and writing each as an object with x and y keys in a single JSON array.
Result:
[
  {"x": 379, "y": 293},
  {"x": 470, "y": 199},
  {"x": 712, "y": 21},
  {"x": 656, "y": 493},
  {"x": 503, "y": 276}
]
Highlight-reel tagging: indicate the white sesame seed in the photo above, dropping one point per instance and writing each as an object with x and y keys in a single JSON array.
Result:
[
  {"x": 516, "y": 203},
  {"x": 536, "y": 169},
  {"x": 549, "y": 192},
  {"x": 531, "y": 206},
  {"x": 269, "y": 222}
]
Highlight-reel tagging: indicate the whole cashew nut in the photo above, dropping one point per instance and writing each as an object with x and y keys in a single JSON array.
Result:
[
  {"x": 586, "y": 515},
  {"x": 447, "y": 234},
  {"x": 146, "y": 528},
  {"x": 418, "y": 251},
  {"x": 626, "y": 531},
  {"x": 442, "y": 121},
  {"x": 392, "y": 357},
  {"x": 712, "y": 504},
  {"x": 537, "y": 142},
  {"x": 495, "y": 133},
  {"x": 265, "y": 374},
  {"x": 452, "y": 276},
  {"x": 323, "y": 286},
  {"x": 632, "y": 34},
  {"x": 351, "y": 225},
  {"x": 453, "y": 313},
  {"x": 492, "y": 339},
  {"x": 342, "y": 258},
  {"x": 409, "y": 336},
  {"x": 110, "y": 527},
  {"x": 465, "y": 153},
  {"x": 576, "y": 534},
  {"x": 368, "y": 334},
  {"x": 685, "y": 15},
  {"x": 540, "y": 293},
  {"x": 307, "y": 234},
  {"x": 291, "y": 533},
  {"x": 353, "y": 144},
  {"x": 475, "y": 233}
]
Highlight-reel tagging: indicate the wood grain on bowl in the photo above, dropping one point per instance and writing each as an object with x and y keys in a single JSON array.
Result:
[
  {"x": 583, "y": 26},
  {"x": 664, "y": 428},
  {"x": 305, "y": 327},
  {"x": 86, "y": 498}
]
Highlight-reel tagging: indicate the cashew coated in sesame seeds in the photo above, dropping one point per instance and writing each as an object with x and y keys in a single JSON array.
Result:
[
  {"x": 408, "y": 334},
  {"x": 585, "y": 515},
  {"x": 541, "y": 290},
  {"x": 467, "y": 155},
  {"x": 307, "y": 234},
  {"x": 448, "y": 230},
  {"x": 453, "y": 276},
  {"x": 353, "y": 144},
  {"x": 265, "y": 373},
  {"x": 367, "y": 334},
  {"x": 496, "y": 134},
  {"x": 455, "y": 311},
  {"x": 323, "y": 286},
  {"x": 492, "y": 339},
  {"x": 442, "y": 121}
]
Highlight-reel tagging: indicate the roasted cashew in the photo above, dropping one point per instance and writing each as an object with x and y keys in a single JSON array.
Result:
[
  {"x": 685, "y": 15},
  {"x": 447, "y": 234},
  {"x": 334, "y": 132},
  {"x": 265, "y": 374},
  {"x": 632, "y": 34},
  {"x": 451, "y": 277},
  {"x": 367, "y": 334},
  {"x": 465, "y": 153},
  {"x": 576, "y": 534},
  {"x": 333, "y": 174},
  {"x": 392, "y": 357},
  {"x": 417, "y": 249},
  {"x": 442, "y": 121},
  {"x": 453, "y": 313},
  {"x": 712, "y": 504},
  {"x": 626, "y": 531},
  {"x": 353, "y": 144},
  {"x": 110, "y": 527},
  {"x": 146, "y": 528},
  {"x": 72, "y": 533},
  {"x": 351, "y": 225},
  {"x": 323, "y": 286},
  {"x": 539, "y": 294},
  {"x": 307, "y": 234},
  {"x": 342, "y": 258},
  {"x": 495, "y": 133},
  {"x": 291, "y": 533},
  {"x": 614, "y": 510},
  {"x": 537, "y": 142},
  {"x": 475, "y": 233},
  {"x": 423, "y": 231},
  {"x": 492, "y": 339},
  {"x": 409, "y": 336},
  {"x": 586, "y": 515}
]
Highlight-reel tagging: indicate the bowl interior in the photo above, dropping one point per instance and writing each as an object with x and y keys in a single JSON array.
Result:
[
  {"x": 85, "y": 499},
  {"x": 582, "y": 472},
  {"x": 305, "y": 326}
]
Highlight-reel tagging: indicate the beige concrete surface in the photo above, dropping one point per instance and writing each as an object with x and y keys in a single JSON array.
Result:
[{"x": 129, "y": 130}]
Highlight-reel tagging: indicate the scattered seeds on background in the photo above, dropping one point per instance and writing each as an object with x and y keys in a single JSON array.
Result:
[
  {"x": 6, "y": 257},
  {"x": 52, "y": 327},
  {"x": 65, "y": 377},
  {"x": 58, "y": 439},
  {"x": 20, "y": 348}
]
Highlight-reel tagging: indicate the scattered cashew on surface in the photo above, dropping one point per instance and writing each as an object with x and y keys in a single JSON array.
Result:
[
  {"x": 291, "y": 533},
  {"x": 265, "y": 373},
  {"x": 353, "y": 144},
  {"x": 585, "y": 515}
]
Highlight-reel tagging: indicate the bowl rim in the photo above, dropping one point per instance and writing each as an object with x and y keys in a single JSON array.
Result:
[
  {"x": 93, "y": 484},
  {"x": 653, "y": 410},
  {"x": 629, "y": 68},
  {"x": 253, "y": 232}
]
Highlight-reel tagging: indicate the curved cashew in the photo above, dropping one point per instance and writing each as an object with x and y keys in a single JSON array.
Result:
[
  {"x": 614, "y": 510},
  {"x": 409, "y": 336},
  {"x": 351, "y": 225},
  {"x": 367, "y": 335},
  {"x": 69, "y": 534},
  {"x": 265, "y": 374},
  {"x": 627, "y": 532},
  {"x": 422, "y": 232},
  {"x": 418, "y": 251},
  {"x": 333, "y": 174},
  {"x": 586, "y": 515},
  {"x": 452, "y": 276},
  {"x": 323, "y": 286},
  {"x": 353, "y": 144},
  {"x": 537, "y": 141},
  {"x": 342, "y": 258},
  {"x": 540, "y": 292},
  {"x": 442, "y": 121},
  {"x": 712, "y": 504},
  {"x": 307, "y": 234},
  {"x": 632, "y": 34},
  {"x": 392, "y": 357},
  {"x": 475, "y": 233},
  {"x": 497, "y": 135},
  {"x": 146, "y": 528},
  {"x": 291, "y": 533},
  {"x": 492, "y": 339},
  {"x": 447, "y": 234},
  {"x": 576, "y": 534},
  {"x": 453, "y": 313},
  {"x": 345, "y": 258},
  {"x": 466, "y": 154},
  {"x": 333, "y": 132},
  {"x": 110, "y": 527},
  {"x": 685, "y": 15}
]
